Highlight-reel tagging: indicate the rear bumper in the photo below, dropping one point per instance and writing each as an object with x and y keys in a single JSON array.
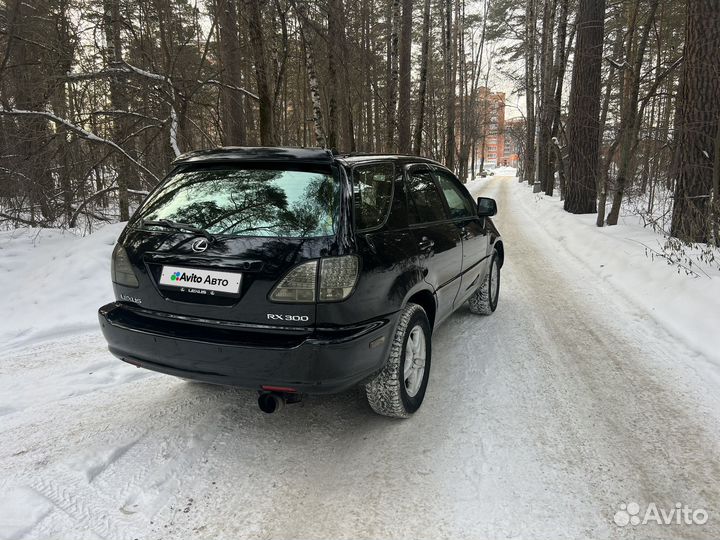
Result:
[{"x": 318, "y": 361}]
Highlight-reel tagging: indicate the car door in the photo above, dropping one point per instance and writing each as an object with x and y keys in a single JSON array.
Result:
[
  {"x": 471, "y": 227},
  {"x": 437, "y": 238},
  {"x": 384, "y": 243}
]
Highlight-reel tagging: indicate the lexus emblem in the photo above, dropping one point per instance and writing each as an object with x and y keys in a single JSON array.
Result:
[{"x": 200, "y": 245}]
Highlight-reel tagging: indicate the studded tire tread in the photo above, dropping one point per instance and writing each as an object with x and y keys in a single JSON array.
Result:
[
  {"x": 481, "y": 302},
  {"x": 384, "y": 392}
]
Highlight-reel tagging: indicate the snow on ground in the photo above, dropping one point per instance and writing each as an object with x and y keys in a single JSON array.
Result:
[
  {"x": 689, "y": 307},
  {"x": 539, "y": 421},
  {"x": 53, "y": 281}
]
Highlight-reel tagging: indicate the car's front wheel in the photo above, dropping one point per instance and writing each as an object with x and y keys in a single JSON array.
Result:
[
  {"x": 485, "y": 300},
  {"x": 398, "y": 390}
]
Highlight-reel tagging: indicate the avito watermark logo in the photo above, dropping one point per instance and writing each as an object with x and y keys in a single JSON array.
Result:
[{"x": 630, "y": 514}]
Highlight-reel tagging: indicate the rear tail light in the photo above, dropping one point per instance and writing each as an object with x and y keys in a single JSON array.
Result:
[
  {"x": 121, "y": 269},
  {"x": 338, "y": 276},
  {"x": 298, "y": 285},
  {"x": 337, "y": 279}
]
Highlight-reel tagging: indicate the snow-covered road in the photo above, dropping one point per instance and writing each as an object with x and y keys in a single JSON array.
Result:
[{"x": 538, "y": 423}]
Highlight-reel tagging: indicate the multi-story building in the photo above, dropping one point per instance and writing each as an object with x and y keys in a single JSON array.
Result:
[{"x": 491, "y": 128}]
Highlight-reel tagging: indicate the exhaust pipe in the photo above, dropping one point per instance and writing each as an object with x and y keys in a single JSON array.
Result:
[{"x": 270, "y": 402}]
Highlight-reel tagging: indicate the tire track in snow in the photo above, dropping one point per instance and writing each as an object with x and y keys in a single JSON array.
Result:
[
  {"x": 169, "y": 459},
  {"x": 101, "y": 497},
  {"x": 622, "y": 422},
  {"x": 85, "y": 507}
]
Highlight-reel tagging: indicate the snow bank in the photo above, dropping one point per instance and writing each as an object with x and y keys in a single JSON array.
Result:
[
  {"x": 688, "y": 307},
  {"x": 53, "y": 282}
]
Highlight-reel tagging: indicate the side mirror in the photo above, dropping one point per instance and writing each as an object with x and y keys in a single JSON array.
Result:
[{"x": 487, "y": 207}]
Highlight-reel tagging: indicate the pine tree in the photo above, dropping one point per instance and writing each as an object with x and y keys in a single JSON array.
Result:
[{"x": 584, "y": 114}]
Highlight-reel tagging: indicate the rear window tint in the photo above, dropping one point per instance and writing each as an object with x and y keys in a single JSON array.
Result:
[
  {"x": 247, "y": 202},
  {"x": 372, "y": 194}
]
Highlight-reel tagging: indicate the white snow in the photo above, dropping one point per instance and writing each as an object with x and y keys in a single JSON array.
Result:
[
  {"x": 147, "y": 74},
  {"x": 576, "y": 396},
  {"x": 53, "y": 282},
  {"x": 174, "y": 131},
  {"x": 687, "y": 306}
]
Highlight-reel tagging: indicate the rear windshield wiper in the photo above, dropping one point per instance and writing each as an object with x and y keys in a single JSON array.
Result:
[{"x": 178, "y": 226}]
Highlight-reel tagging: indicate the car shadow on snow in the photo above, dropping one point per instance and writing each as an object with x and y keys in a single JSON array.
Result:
[{"x": 345, "y": 409}]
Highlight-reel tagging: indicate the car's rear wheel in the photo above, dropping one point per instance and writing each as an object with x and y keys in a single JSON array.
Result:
[
  {"x": 485, "y": 300},
  {"x": 399, "y": 389}
]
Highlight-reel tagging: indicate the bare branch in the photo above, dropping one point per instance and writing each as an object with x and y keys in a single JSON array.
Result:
[
  {"x": 128, "y": 69},
  {"x": 82, "y": 133},
  {"x": 81, "y": 207}
]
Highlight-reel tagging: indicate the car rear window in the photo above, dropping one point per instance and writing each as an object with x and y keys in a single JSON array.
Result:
[{"x": 247, "y": 201}]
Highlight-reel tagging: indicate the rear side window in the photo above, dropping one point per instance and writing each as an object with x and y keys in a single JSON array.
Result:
[
  {"x": 247, "y": 202},
  {"x": 424, "y": 202},
  {"x": 458, "y": 202},
  {"x": 372, "y": 194}
]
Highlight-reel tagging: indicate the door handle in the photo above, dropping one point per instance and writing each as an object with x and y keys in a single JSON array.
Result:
[
  {"x": 426, "y": 243},
  {"x": 465, "y": 234}
]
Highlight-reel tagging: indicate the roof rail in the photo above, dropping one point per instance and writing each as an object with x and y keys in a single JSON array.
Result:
[{"x": 256, "y": 153}]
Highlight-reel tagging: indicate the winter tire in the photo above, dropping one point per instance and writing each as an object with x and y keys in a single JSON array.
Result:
[
  {"x": 484, "y": 301},
  {"x": 398, "y": 390}
]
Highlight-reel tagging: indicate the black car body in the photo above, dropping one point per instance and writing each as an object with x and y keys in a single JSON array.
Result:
[{"x": 372, "y": 233}]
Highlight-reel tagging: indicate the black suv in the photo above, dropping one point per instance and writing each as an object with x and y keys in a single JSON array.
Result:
[{"x": 297, "y": 271}]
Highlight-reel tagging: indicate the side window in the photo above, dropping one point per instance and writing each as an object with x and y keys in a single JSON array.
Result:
[
  {"x": 398, "y": 218},
  {"x": 372, "y": 194},
  {"x": 424, "y": 202},
  {"x": 460, "y": 205}
]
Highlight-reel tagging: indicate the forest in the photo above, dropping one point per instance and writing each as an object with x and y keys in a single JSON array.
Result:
[{"x": 619, "y": 99}]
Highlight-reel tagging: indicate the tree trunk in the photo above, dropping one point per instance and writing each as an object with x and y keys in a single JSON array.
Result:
[
  {"x": 559, "y": 67},
  {"x": 698, "y": 111},
  {"x": 417, "y": 143},
  {"x": 462, "y": 137},
  {"x": 334, "y": 30},
  {"x": 118, "y": 98},
  {"x": 313, "y": 85},
  {"x": 560, "y": 160},
  {"x": 60, "y": 106},
  {"x": 262, "y": 74},
  {"x": 583, "y": 119},
  {"x": 349, "y": 143},
  {"x": 405, "y": 80},
  {"x": 32, "y": 136},
  {"x": 450, "y": 36},
  {"x": 604, "y": 180},
  {"x": 232, "y": 117},
  {"x": 547, "y": 102},
  {"x": 631, "y": 120},
  {"x": 392, "y": 82},
  {"x": 530, "y": 125},
  {"x": 369, "y": 80}
]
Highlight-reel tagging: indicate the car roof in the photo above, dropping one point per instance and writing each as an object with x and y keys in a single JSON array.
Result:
[
  {"x": 280, "y": 154},
  {"x": 256, "y": 153}
]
